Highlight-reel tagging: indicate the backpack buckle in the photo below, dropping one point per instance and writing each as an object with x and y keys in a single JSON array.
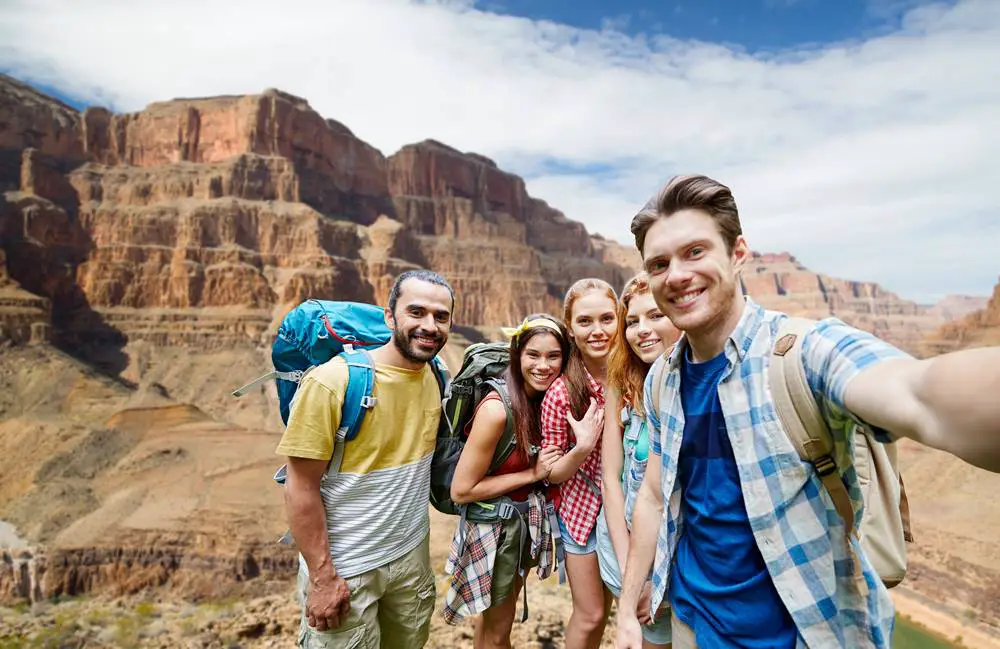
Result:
[
  {"x": 505, "y": 510},
  {"x": 368, "y": 402},
  {"x": 824, "y": 466}
]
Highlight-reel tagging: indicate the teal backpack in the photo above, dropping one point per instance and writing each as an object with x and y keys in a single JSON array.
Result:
[{"x": 317, "y": 331}]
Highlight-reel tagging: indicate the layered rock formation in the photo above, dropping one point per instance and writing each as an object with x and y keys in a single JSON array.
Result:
[
  {"x": 780, "y": 281},
  {"x": 201, "y": 221},
  {"x": 955, "y": 307},
  {"x": 250, "y": 204},
  {"x": 978, "y": 329}
]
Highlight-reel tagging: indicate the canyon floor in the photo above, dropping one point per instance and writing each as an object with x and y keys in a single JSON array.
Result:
[{"x": 160, "y": 621}]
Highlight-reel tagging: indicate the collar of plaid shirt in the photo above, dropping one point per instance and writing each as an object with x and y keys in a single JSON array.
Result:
[
  {"x": 788, "y": 508},
  {"x": 595, "y": 386}
]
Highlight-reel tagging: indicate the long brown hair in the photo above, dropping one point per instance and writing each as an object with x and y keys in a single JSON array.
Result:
[
  {"x": 527, "y": 410},
  {"x": 576, "y": 372},
  {"x": 626, "y": 371}
]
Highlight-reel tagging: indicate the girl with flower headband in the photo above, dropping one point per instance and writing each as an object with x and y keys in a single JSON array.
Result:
[
  {"x": 644, "y": 334},
  {"x": 572, "y": 419},
  {"x": 539, "y": 349}
]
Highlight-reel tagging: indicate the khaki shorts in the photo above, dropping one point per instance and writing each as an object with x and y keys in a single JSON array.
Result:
[
  {"x": 683, "y": 635},
  {"x": 391, "y": 606}
]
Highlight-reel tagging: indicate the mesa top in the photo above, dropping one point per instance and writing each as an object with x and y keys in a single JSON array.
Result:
[{"x": 376, "y": 505}]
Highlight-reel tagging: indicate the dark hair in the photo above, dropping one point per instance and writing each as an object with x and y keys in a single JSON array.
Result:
[
  {"x": 423, "y": 275},
  {"x": 527, "y": 411},
  {"x": 577, "y": 384},
  {"x": 690, "y": 193}
]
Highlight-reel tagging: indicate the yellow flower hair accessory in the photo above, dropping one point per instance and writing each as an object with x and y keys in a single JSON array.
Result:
[{"x": 514, "y": 332}]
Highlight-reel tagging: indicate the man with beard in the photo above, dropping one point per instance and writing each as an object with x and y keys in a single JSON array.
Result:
[
  {"x": 365, "y": 578},
  {"x": 747, "y": 547}
]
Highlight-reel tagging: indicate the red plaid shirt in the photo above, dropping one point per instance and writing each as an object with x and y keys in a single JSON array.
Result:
[{"x": 578, "y": 505}]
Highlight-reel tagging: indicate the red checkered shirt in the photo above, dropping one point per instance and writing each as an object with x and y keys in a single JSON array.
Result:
[{"x": 578, "y": 504}]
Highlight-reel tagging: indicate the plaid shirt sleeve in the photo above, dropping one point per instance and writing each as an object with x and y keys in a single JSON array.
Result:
[
  {"x": 555, "y": 405},
  {"x": 833, "y": 353},
  {"x": 470, "y": 564}
]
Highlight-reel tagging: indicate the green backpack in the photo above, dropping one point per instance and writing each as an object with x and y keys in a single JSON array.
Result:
[{"x": 482, "y": 367}]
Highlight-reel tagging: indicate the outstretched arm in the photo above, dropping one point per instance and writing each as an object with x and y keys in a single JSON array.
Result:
[{"x": 949, "y": 402}]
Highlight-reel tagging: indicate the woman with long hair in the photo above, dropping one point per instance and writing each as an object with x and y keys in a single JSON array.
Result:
[
  {"x": 644, "y": 334},
  {"x": 539, "y": 349},
  {"x": 572, "y": 419}
]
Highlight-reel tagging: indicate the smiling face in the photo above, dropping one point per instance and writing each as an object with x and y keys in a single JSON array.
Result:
[
  {"x": 692, "y": 276},
  {"x": 647, "y": 330},
  {"x": 422, "y": 320},
  {"x": 541, "y": 362},
  {"x": 592, "y": 324}
]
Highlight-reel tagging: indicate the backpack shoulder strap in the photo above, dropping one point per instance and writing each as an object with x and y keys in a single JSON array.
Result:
[
  {"x": 358, "y": 399},
  {"x": 800, "y": 415},
  {"x": 443, "y": 376},
  {"x": 506, "y": 443}
]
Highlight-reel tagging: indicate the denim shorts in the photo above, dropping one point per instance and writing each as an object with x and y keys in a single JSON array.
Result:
[{"x": 572, "y": 546}]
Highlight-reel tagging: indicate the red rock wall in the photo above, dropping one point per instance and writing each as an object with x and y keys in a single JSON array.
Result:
[{"x": 252, "y": 203}]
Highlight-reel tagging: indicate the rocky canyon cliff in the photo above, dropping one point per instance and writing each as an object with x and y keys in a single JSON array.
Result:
[
  {"x": 199, "y": 222},
  {"x": 154, "y": 223}
]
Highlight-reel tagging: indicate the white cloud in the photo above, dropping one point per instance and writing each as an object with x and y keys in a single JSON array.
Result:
[{"x": 875, "y": 159}]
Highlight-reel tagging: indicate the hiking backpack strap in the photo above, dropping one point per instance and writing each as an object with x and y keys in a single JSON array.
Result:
[
  {"x": 590, "y": 483},
  {"x": 443, "y": 377},
  {"x": 800, "y": 416},
  {"x": 295, "y": 376},
  {"x": 560, "y": 547},
  {"x": 506, "y": 443},
  {"x": 358, "y": 399}
]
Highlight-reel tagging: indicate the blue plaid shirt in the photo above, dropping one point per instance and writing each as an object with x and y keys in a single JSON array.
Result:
[{"x": 797, "y": 529}]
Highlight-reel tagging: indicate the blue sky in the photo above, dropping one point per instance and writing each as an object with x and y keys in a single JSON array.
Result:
[
  {"x": 756, "y": 25},
  {"x": 859, "y": 135}
]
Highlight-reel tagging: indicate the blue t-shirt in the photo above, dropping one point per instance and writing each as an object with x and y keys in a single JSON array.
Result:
[{"x": 719, "y": 585}]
